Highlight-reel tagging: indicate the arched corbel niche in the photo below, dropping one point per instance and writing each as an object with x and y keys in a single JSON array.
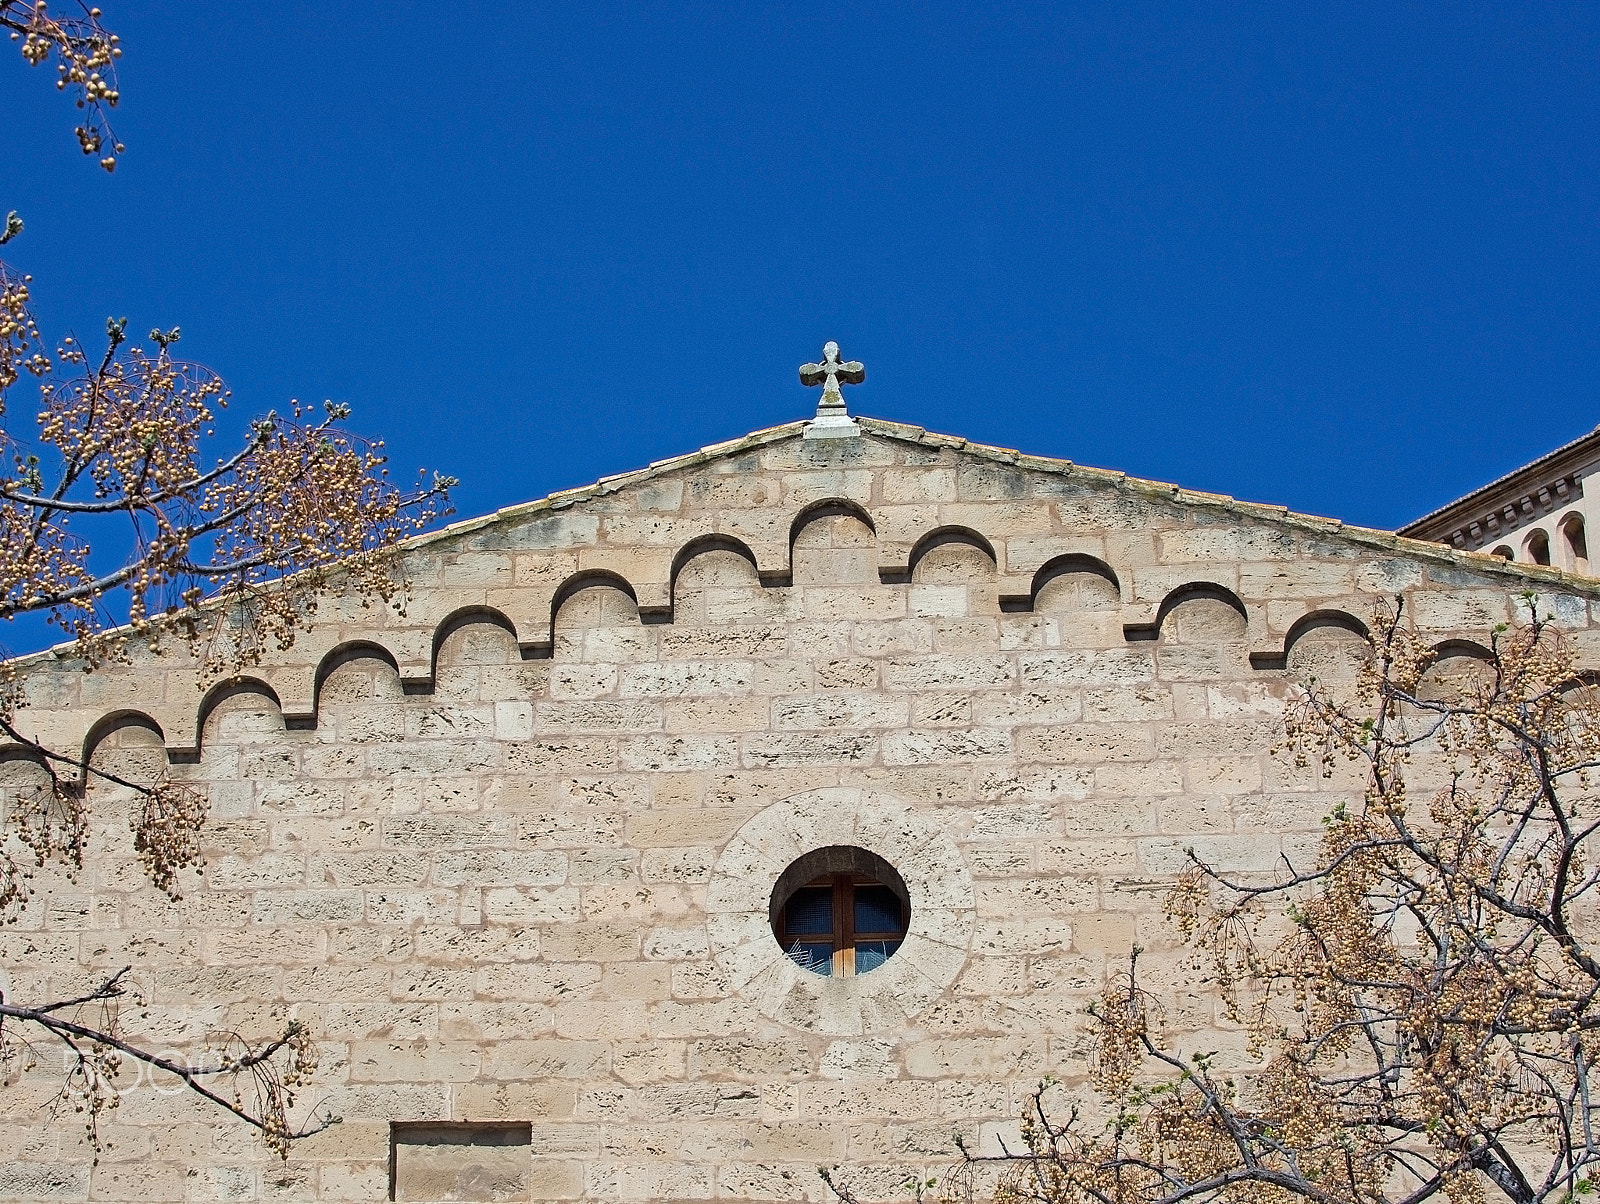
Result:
[
  {"x": 715, "y": 578},
  {"x": 833, "y": 542},
  {"x": 953, "y": 574},
  {"x": 939, "y": 537},
  {"x": 245, "y": 704},
  {"x": 1328, "y": 645}
]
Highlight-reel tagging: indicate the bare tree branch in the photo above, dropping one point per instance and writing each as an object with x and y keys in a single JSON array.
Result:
[
  {"x": 1428, "y": 1023},
  {"x": 274, "y": 1070}
]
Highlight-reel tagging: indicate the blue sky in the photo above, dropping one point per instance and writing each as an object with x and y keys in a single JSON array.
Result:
[{"x": 1344, "y": 260}]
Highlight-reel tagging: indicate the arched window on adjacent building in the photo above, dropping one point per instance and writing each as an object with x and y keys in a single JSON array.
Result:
[
  {"x": 1538, "y": 546},
  {"x": 1576, "y": 544},
  {"x": 1503, "y": 552}
]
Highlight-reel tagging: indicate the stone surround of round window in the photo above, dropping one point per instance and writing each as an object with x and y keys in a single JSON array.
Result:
[{"x": 876, "y": 840}]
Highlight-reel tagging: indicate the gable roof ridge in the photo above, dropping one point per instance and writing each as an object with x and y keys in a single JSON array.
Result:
[
  {"x": 562, "y": 499},
  {"x": 1370, "y": 537}
]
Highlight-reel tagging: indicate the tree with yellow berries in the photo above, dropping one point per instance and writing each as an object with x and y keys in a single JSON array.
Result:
[{"x": 117, "y": 524}]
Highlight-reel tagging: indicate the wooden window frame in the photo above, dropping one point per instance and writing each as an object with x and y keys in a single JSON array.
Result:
[{"x": 843, "y": 935}]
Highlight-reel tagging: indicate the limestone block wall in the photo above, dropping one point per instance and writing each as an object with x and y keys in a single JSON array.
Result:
[{"x": 510, "y": 854}]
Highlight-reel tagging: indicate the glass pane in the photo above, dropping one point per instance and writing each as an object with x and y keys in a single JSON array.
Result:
[
  {"x": 872, "y": 954},
  {"x": 877, "y": 909},
  {"x": 809, "y": 910},
  {"x": 814, "y": 956}
]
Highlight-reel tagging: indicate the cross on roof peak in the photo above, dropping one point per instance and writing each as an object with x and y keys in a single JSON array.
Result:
[{"x": 830, "y": 374}]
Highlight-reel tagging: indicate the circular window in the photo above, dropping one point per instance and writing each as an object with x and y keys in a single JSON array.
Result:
[
  {"x": 840, "y": 911},
  {"x": 805, "y": 840}
]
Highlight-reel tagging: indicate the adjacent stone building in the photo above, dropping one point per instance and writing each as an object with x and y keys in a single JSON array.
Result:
[
  {"x": 942, "y": 717},
  {"x": 1540, "y": 513}
]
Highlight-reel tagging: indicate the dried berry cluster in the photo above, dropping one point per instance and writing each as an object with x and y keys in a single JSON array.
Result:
[
  {"x": 42, "y": 823},
  {"x": 122, "y": 441},
  {"x": 86, "y": 56},
  {"x": 230, "y": 558}
]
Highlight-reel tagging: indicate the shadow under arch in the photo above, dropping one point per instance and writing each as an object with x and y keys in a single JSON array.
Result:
[
  {"x": 1058, "y": 566},
  {"x": 1316, "y": 620},
  {"x": 1583, "y": 679},
  {"x": 12, "y": 751},
  {"x": 1457, "y": 664},
  {"x": 575, "y": 584},
  {"x": 467, "y": 616},
  {"x": 1341, "y": 619},
  {"x": 1449, "y": 649},
  {"x": 337, "y": 658},
  {"x": 544, "y": 649},
  {"x": 73, "y": 778},
  {"x": 588, "y": 579},
  {"x": 699, "y": 546},
  {"x": 833, "y": 507},
  {"x": 231, "y": 687},
  {"x": 116, "y": 721},
  {"x": 937, "y": 538},
  {"x": 1189, "y": 591}
]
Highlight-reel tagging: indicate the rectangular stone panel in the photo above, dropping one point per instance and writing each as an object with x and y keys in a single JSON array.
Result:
[{"x": 433, "y": 1160}]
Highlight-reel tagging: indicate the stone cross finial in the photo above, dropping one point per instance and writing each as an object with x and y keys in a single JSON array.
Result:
[{"x": 829, "y": 374}]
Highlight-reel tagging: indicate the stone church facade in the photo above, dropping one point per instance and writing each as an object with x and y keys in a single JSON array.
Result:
[{"x": 522, "y": 856}]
